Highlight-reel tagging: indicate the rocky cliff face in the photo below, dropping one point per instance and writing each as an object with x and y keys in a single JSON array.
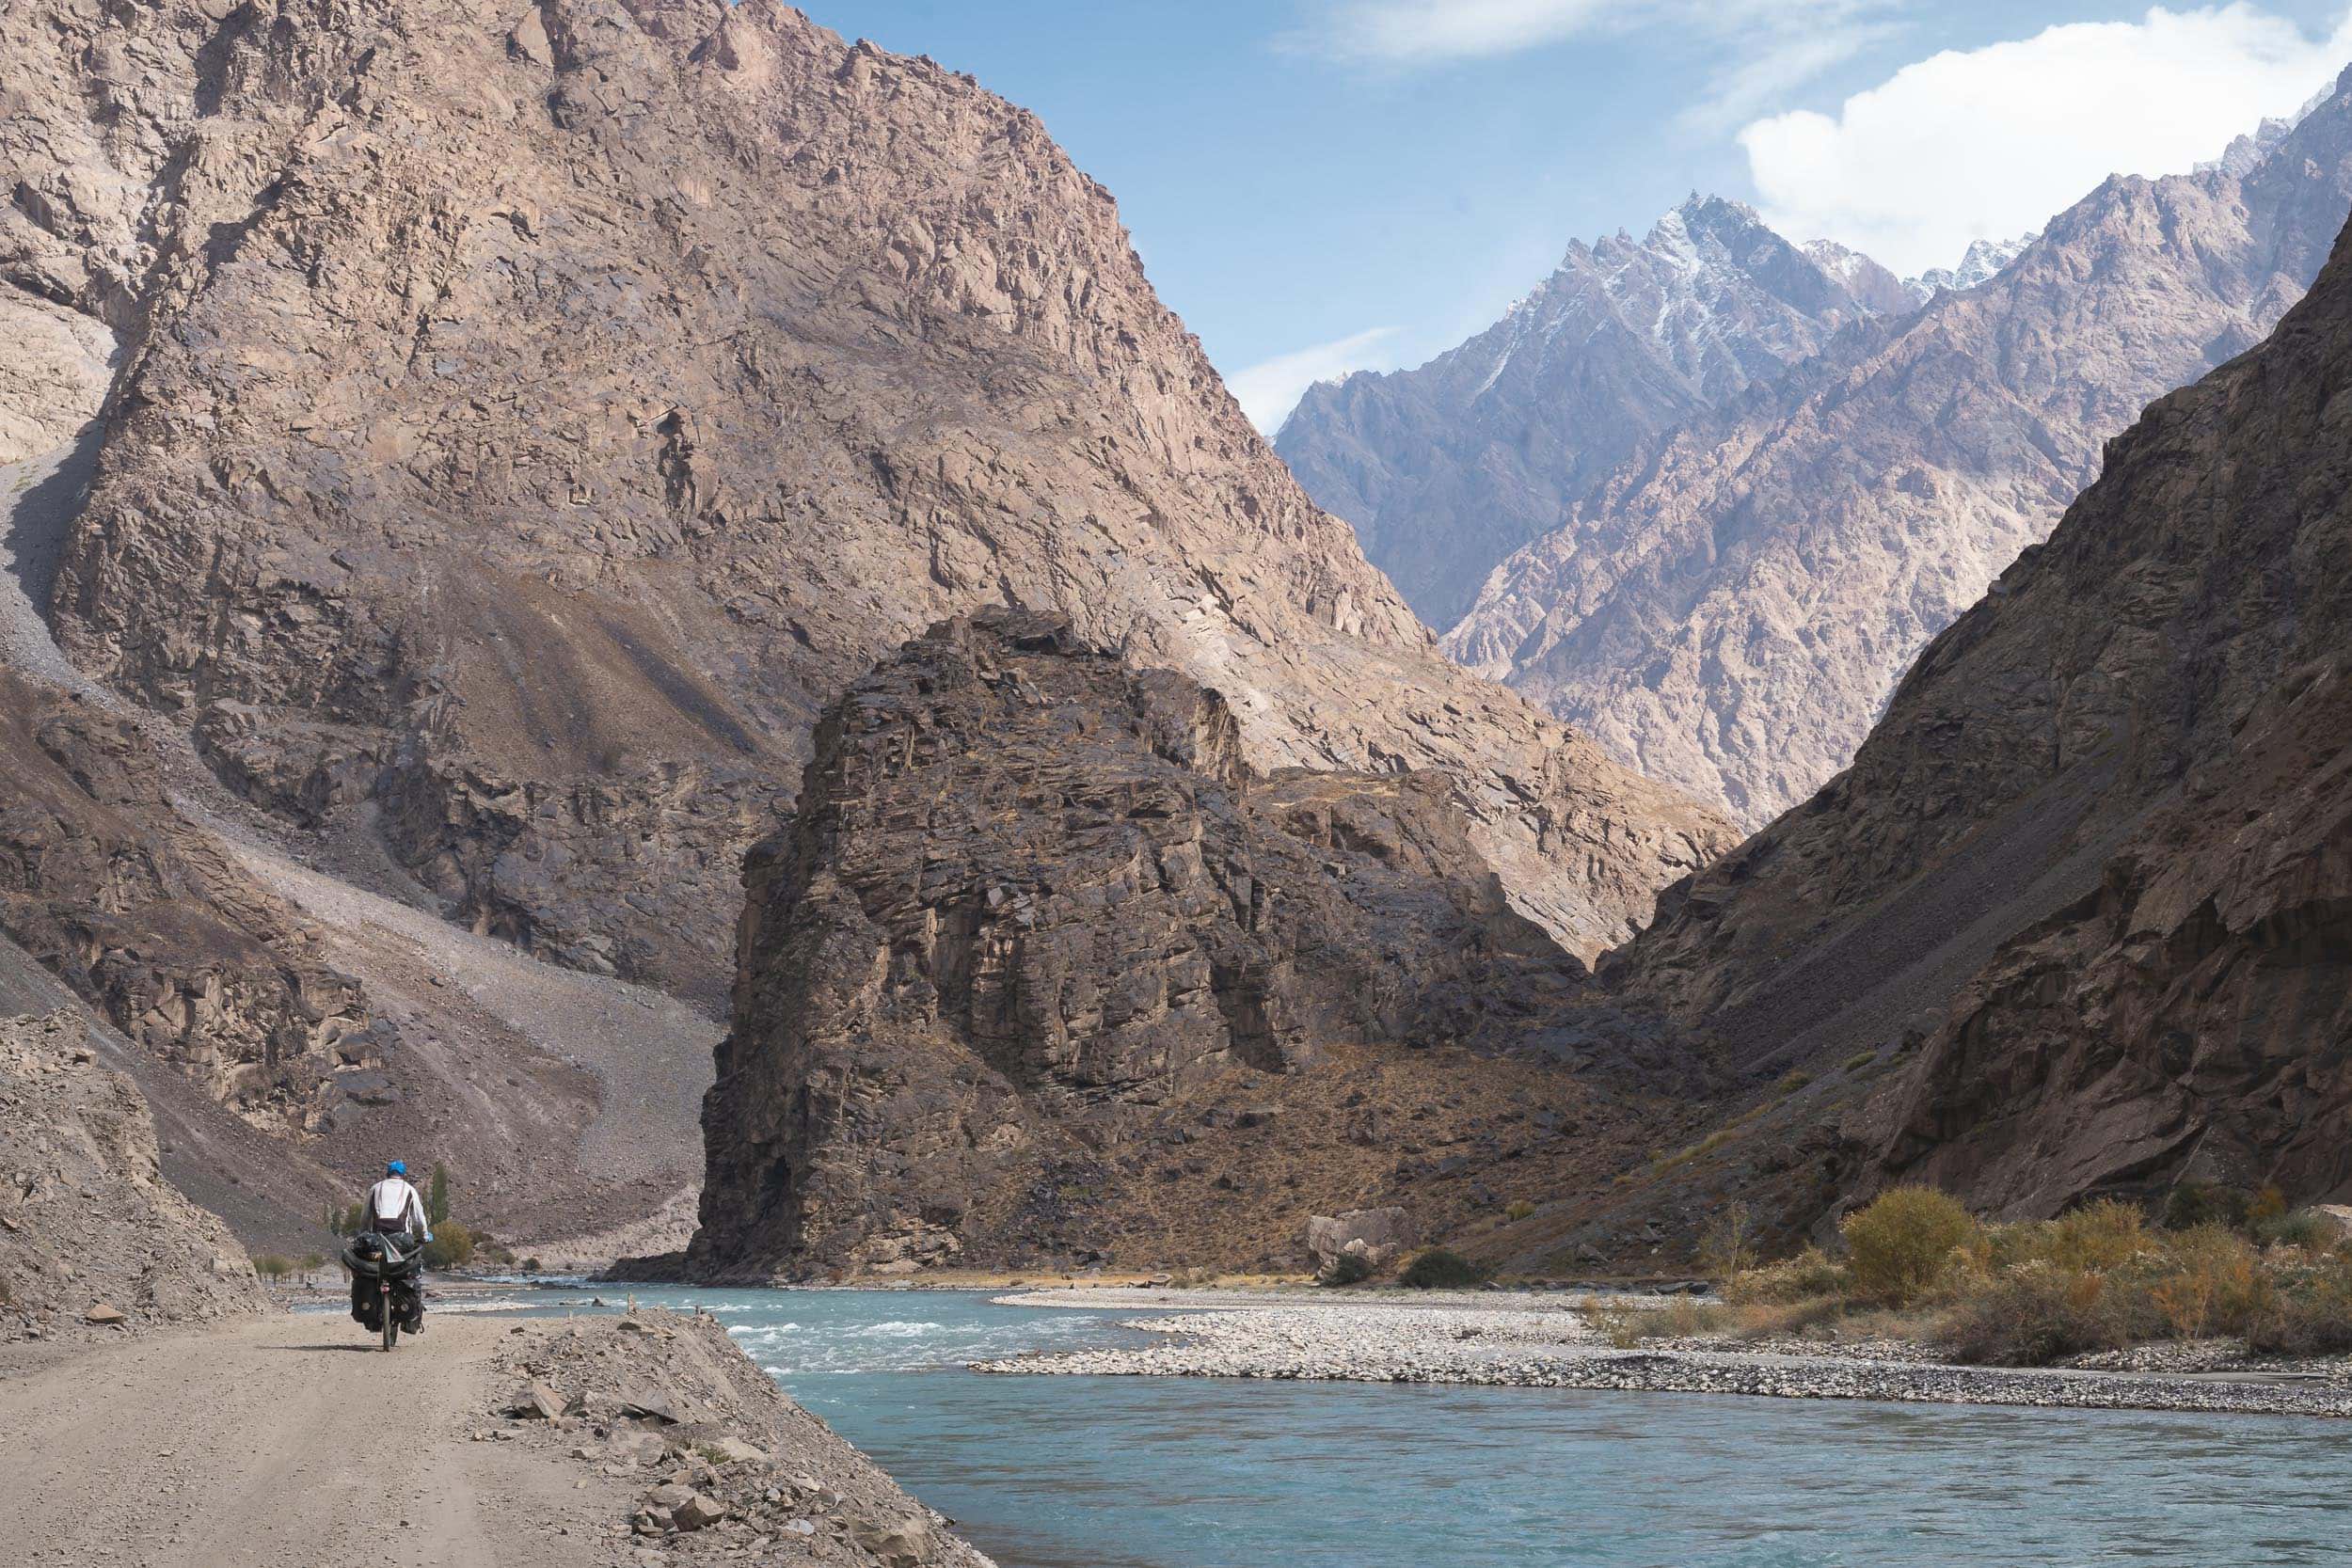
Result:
[
  {"x": 89, "y": 1230},
  {"x": 145, "y": 917},
  {"x": 2075, "y": 920},
  {"x": 1730, "y": 612},
  {"x": 1446, "y": 469},
  {"x": 1042, "y": 961},
  {"x": 528, "y": 415}
]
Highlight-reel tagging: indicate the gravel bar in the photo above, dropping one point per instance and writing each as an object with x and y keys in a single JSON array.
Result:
[{"x": 1556, "y": 1347}]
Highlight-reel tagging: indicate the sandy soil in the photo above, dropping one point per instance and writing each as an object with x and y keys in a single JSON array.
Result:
[{"x": 285, "y": 1442}]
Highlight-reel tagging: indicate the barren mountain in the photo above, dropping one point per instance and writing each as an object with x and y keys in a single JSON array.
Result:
[
  {"x": 528, "y": 416},
  {"x": 1446, "y": 469},
  {"x": 460, "y": 447},
  {"x": 1730, "y": 611},
  {"x": 2076, "y": 920},
  {"x": 1044, "y": 970}
]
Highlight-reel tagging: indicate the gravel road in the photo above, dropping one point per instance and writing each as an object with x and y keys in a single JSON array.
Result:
[{"x": 286, "y": 1442}]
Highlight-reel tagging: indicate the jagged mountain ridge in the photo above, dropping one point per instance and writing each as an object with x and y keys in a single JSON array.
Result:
[
  {"x": 1978, "y": 263},
  {"x": 1447, "y": 469},
  {"x": 2084, "y": 885},
  {"x": 1730, "y": 610}
]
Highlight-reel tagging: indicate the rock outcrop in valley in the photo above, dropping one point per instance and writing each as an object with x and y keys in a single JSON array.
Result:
[{"x": 1043, "y": 968}]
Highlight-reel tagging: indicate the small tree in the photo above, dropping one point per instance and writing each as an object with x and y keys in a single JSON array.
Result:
[
  {"x": 355, "y": 1219},
  {"x": 312, "y": 1263},
  {"x": 1725, "y": 1247},
  {"x": 436, "y": 1196}
]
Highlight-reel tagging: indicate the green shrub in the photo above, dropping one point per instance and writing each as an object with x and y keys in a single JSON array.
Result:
[
  {"x": 451, "y": 1246},
  {"x": 270, "y": 1265},
  {"x": 2300, "y": 1228},
  {"x": 2039, "y": 1312},
  {"x": 1440, "y": 1270},
  {"x": 2195, "y": 1203},
  {"x": 1860, "y": 1059},
  {"x": 1806, "y": 1276},
  {"x": 1793, "y": 1082},
  {"x": 1900, "y": 1245},
  {"x": 1348, "y": 1268},
  {"x": 1622, "y": 1326},
  {"x": 2106, "y": 1234},
  {"x": 2312, "y": 1315},
  {"x": 2210, "y": 1281},
  {"x": 1519, "y": 1209}
]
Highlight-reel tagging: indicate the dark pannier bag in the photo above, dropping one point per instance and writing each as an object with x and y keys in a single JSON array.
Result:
[
  {"x": 370, "y": 1258},
  {"x": 366, "y": 1256}
]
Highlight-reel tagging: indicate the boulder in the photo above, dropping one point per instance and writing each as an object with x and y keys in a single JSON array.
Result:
[
  {"x": 731, "y": 1450},
  {"x": 104, "y": 1313},
  {"x": 537, "y": 1402},
  {"x": 1376, "y": 1235},
  {"x": 697, "y": 1511},
  {"x": 898, "y": 1544}
]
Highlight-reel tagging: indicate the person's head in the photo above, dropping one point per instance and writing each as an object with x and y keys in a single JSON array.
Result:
[{"x": 396, "y": 1167}]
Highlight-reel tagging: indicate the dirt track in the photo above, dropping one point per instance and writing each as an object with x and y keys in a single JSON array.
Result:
[{"x": 286, "y": 1442}]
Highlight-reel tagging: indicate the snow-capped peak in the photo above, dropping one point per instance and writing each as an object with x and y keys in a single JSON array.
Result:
[{"x": 1983, "y": 260}]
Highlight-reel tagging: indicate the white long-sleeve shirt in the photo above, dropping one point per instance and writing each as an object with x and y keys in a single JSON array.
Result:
[{"x": 393, "y": 1198}]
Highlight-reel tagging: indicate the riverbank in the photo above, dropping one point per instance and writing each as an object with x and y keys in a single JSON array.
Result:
[
  {"x": 1523, "y": 1339},
  {"x": 284, "y": 1440}
]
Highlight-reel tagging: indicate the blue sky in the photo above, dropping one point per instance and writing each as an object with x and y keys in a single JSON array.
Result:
[{"x": 1320, "y": 184}]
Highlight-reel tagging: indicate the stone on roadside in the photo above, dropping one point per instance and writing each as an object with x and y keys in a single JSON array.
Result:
[
  {"x": 537, "y": 1402},
  {"x": 103, "y": 1312},
  {"x": 658, "y": 1404},
  {"x": 698, "y": 1512},
  {"x": 900, "y": 1544},
  {"x": 732, "y": 1450}
]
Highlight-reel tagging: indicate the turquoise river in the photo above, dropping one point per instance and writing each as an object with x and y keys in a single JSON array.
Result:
[{"x": 1221, "y": 1473}]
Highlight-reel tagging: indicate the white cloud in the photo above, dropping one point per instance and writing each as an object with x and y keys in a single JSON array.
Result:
[
  {"x": 1268, "y": 390},
  {"x": 1772, "y": 45},
  {"x": 1988, "y": 143}
]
